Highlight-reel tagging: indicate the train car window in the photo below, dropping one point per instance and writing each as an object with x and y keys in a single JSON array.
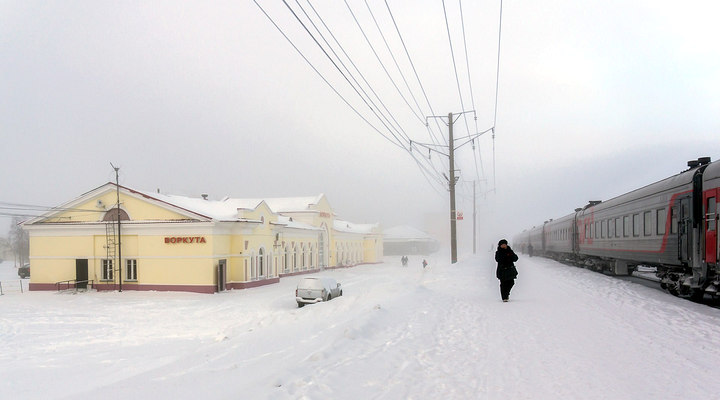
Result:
[
  {"x": 587, "y": 231},
  {"x": 647, "y": 223},
  {"x": 611, "y": 228},
  {"x": 673, "y": 220},
  {"x": 618, "y": 228},
  {"x": 636, "y": 225},
  {"x": 597, "y": 230},
  {"x": 627, "y": 227},
  {"x": 603, "y": 229},
  {"x": 711, "y": 210},
  {"x": 661, "y": 218}
]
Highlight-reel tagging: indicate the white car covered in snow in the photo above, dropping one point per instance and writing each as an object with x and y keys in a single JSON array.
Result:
[{"x": 315, "y": 290}]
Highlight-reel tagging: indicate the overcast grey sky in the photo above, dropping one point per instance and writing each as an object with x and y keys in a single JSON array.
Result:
[{"x": 595, "y": 98}]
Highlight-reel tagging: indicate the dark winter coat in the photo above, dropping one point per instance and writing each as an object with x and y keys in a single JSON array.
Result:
[{"x": 506, "y": 264}]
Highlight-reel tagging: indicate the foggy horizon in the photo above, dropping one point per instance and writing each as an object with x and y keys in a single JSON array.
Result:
[{"x": 593, "y": 100}]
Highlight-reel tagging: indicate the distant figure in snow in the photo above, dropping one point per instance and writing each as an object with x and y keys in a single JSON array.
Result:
[
  {"x": 424, "y": 263},
  {"x": 404, "y": 261},
  {"x": 506, "y": 271},
  {"x": 530, "y": 249}
]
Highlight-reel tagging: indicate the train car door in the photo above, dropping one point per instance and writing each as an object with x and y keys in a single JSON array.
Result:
[
  {"x": 710, "y": 202},
  {"x": 685, "y": 230}
]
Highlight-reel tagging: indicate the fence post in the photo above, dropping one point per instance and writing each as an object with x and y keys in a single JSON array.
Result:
[
  {"x": 21, "y": 288},
  {"x": 1, "y": 293}
]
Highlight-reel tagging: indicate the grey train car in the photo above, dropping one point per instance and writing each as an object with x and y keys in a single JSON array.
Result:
[
  {"x": 529, "y": 241},
  {"x": 670, "y": 225}
]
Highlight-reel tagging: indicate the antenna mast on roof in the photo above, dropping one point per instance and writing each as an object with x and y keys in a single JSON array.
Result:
[{"x": 117, "y": 191}]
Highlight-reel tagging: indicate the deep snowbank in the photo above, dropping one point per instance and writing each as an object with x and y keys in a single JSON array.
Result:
[{"x": 397, "y": 333}]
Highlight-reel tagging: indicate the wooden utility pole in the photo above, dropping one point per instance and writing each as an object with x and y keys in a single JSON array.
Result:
[
  {"x": 474, "y": 219},
  {"x": 452, "y": 179},
  {"x": 453, "y": 212}
]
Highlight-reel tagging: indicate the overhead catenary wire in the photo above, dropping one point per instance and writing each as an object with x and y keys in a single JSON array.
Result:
[
  {"x": 412, "y": 64},
  {"x": 377, "y": 56},
  {"x": 497, "y": 84},
  {"x": 362, "y": 76},
  {"x": 385, "y": 123},
  {"x": 392, "y": 55},
  {"x": 324, "y": 79},
  {"x": 372, "y": 109},
  {"x": 457, "y": 77},
  {"x": 472, "y": 95},
  {"x": 398, "y": 142}
]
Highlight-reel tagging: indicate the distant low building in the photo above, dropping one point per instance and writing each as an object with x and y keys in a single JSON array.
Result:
[
  {"x": 178, "y": 243},
  {"x": 404, "y": 240}
]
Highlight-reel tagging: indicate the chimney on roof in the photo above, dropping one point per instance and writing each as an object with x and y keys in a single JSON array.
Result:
[{"x": 204, "y": 196}]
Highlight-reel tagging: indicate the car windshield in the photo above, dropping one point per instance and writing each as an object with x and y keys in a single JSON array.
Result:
[{"x": 310, "y": 284}]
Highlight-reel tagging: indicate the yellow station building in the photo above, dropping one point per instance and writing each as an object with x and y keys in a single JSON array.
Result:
[{"x": 178, "y": 243}]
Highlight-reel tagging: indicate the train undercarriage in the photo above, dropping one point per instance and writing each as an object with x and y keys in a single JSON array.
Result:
[{"x": 673, "y": 279}]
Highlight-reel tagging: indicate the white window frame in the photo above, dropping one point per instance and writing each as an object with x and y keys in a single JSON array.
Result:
[
  {"x": 107, "y": 269},
  {"x": 131, "y": 269}
]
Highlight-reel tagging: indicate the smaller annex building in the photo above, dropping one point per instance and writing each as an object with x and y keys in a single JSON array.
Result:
[
  {"x": 154, "y": 241},
  {"x": 403, "y": 240}
]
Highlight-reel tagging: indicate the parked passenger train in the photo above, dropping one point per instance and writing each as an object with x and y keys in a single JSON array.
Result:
[{"x": 671, "y": 225}]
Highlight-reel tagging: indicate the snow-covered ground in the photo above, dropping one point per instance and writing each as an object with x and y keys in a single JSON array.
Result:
[{"x": 397, "y": 333}]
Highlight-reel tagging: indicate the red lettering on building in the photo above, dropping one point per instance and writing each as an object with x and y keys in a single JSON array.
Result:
[{"x": 185, "y": 239}]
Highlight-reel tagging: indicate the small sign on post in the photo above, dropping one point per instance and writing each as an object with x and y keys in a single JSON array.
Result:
[{"x": 459, "y": 215}]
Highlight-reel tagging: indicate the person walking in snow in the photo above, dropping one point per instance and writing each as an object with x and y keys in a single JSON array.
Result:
[
  {"x": 424, "y": 263},
  {"x": 506, "y": 271}
]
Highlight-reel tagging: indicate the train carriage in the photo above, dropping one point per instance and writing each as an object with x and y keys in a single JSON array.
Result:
[
  {"x": 671, "y": 225},
  {"x": 560, "y": 237},
  {"x": 640, "y": 227}
]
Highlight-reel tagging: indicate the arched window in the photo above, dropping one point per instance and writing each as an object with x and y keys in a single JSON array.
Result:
[
  {"x": 302, "y": 256},
  {"x": 261, "y": 262},
  {"x": 112, "y": 214},
  {"x": 322, "y": 258},
  {"x": 253, "y": 270},
  {"x": 312, "y": 252},
  {"x": 286, "y": 259}
]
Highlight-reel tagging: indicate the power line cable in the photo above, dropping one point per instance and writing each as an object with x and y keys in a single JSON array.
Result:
[
  {"x": 497, "y": 84},
  {"x": 422, "y": 88},
  {"x": 372, "y": 48},
  {"x": 323, "y": 78},
  {"x": 472, "y": 95},
  {"x": 399, "y": 142},
  {"x": 342, "y": 49},
  {"x": 404, "y": 134},
  {"x": 457, "y": 77},
  {"x": 392, "y": 55}
]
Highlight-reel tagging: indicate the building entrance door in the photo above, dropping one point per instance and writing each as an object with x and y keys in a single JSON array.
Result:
[
  {"x": 221, "y": 275},
  {"x": 81, "y": 273}
]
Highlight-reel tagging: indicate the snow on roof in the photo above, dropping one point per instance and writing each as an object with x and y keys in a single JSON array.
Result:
[
  {"x": 227, "y": 208},
  {"x": 220, "y": 210},
  {"x": 345, "y": 226},
  {"x": 290, "y": 223},
  {"x": 405, "y": 232},
  {"x": 292, "y": 204}
]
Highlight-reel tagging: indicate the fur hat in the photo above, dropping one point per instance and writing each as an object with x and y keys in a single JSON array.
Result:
[{"x": 502, "y": 242}]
